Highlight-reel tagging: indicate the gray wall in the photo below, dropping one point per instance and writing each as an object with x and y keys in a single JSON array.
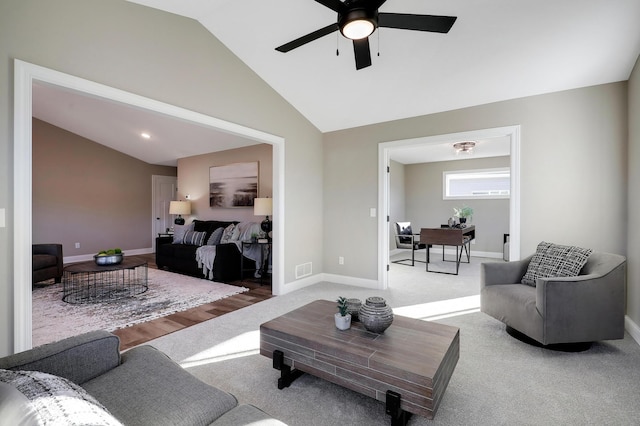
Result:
[
  {"x": 165, "y": 57},
  {"x": 425, "y": 207},
  {"x": 633, "y": 255},
  {"x": 193, "y": 179},
  {"x": 573, "y": 172},
  {"x": 85, "y": 192}
]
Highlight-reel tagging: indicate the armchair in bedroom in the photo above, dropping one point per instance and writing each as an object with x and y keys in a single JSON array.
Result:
[{"x": 406, "y": 239}]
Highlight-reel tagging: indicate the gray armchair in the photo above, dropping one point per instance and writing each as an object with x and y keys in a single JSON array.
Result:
[{"x": 586, "y": 308}]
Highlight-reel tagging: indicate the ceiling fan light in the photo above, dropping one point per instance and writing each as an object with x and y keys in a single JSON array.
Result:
[{"x": 358, "y": 29}]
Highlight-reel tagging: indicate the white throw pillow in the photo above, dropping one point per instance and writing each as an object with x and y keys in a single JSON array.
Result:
[
  {"x": 57, "y": 400},
  {"x": 227, "y": 234}
]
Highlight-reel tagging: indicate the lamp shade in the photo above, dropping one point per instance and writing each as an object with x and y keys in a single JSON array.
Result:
[
  {"x": 179, "y": 207},
  {"x": 262, "y": 206}
]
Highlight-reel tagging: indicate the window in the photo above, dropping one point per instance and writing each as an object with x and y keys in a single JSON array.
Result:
[{"x": 473, "y": 184}]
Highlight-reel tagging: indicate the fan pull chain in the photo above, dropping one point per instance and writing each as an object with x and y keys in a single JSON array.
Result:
[
  {"x": 337, "y": 40},
  {"x": 378, "y": 42}
]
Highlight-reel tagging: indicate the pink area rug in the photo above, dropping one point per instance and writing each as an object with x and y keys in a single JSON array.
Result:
[{"x": 168, "y": 293}]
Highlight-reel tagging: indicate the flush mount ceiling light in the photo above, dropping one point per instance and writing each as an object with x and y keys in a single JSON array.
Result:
[
  {"x": 466, "y": 147},
  {"x": 145, "y": 135}
]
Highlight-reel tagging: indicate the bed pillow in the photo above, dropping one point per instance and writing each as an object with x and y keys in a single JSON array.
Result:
[
  {"x": 553, "y": 260},
  {"x": 51, "y": 399}
]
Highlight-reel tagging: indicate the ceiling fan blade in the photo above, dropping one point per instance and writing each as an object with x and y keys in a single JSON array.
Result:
[
  {"x": 307, "y": 38},
  {"x": 362, "y": 52},
  {"x": 375, "y": 4},
  {"x": 336, "y": 5},
  {"x": 407, "y": 21}
]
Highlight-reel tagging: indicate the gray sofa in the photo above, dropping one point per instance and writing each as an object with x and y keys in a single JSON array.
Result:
[
  {"x": 586, "y": 308},
  {"x": 141, "y": 386}
]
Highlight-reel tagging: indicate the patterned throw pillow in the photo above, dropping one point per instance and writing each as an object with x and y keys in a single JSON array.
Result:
[
  {"x": 194, "y": 238},
  {"x": 406, "y": 231},
  {"x": 215, "y": 237},
  {"x": 57, "y": 400},
  {"x": 553, "y": 260},
  {"x": 179, "y": 231},
  {"x": 227, "y": 234}
]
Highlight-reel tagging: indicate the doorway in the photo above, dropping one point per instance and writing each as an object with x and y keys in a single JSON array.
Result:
[
  {"x": 164, "y": 189},
  {"x": 25, "y": 74},
  {"x": 385, "y": 151}
]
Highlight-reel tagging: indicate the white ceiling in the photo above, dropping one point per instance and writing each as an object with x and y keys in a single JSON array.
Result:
[
  {"x": 496, "y": 50},
  {"x": 417, "y": 153},
  {"x": 119, "y": 126}
]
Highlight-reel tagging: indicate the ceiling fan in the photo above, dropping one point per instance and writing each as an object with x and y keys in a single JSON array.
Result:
[{"x": 358, "y": 19}]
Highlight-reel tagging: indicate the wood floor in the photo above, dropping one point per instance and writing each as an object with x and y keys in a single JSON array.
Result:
[{"x": 141, "y": 333}]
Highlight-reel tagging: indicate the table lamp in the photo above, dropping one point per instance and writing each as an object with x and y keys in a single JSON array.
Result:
[
  {"x": 179, "y": 208},
  {"x": 263, "y": 207}
]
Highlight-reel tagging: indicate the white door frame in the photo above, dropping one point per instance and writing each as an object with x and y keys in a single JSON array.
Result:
[
  {"x": 155, "y": 181},
  {"x": 24, "y": 76},
  {"x": 384, "y": 153}
]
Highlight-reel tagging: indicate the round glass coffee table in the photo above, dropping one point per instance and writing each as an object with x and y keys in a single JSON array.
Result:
[{"x": 87, "y": 282}]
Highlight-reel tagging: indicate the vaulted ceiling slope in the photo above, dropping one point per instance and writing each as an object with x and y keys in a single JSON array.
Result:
[{"x": 496, "y": 50}]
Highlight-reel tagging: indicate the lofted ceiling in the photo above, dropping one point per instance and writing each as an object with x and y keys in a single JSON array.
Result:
[{"x": 496, "y": 50}]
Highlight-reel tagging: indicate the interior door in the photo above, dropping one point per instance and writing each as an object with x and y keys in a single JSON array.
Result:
[{"x": 164, "y": 191}]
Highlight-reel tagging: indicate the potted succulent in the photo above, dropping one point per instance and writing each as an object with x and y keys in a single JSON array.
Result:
[
  {"x": 343, "y": 317},
  {"x": 463, "y": 213}
]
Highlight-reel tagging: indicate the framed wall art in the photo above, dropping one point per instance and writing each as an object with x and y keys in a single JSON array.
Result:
[{"x": 233, "y": 185}]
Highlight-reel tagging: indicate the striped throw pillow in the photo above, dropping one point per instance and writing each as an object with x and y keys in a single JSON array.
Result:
[{"x": 194, "y": 238}]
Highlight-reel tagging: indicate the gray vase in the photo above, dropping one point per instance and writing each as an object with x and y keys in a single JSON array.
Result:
[
  {"x": 375, "y": 315},
  {"x": 353, "y": 307}
]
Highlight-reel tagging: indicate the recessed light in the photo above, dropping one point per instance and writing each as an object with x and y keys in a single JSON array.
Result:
[{"x": 145, "y": 135}]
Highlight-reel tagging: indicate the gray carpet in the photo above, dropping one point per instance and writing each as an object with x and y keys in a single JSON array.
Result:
[{"x": 497, "y": 381}]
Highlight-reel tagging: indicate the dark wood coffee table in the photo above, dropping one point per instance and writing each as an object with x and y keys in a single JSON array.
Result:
[
  {"x": 408, "y": 366},
  {"x": 87, "y": 282}
]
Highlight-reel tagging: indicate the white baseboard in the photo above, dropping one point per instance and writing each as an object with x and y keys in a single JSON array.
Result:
[
  {"x": 338, "y": 279},
  {"x": 301, "y": 283},
  {"x": 632, "y": 328},
  {"x": 357, "y": 282},
  {"x": 435, "y": 251},
  {"x": 85, "y": 257}
]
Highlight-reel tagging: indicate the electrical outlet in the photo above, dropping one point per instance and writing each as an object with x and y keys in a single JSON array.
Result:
[
  {"x": 77, "y": 245},
  {"x": 341, "y": 260}
]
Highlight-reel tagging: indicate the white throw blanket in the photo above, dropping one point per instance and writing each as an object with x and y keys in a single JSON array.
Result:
[
  {"x": 245, "y": 230},
  {"x": 205, "y": 256}
]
